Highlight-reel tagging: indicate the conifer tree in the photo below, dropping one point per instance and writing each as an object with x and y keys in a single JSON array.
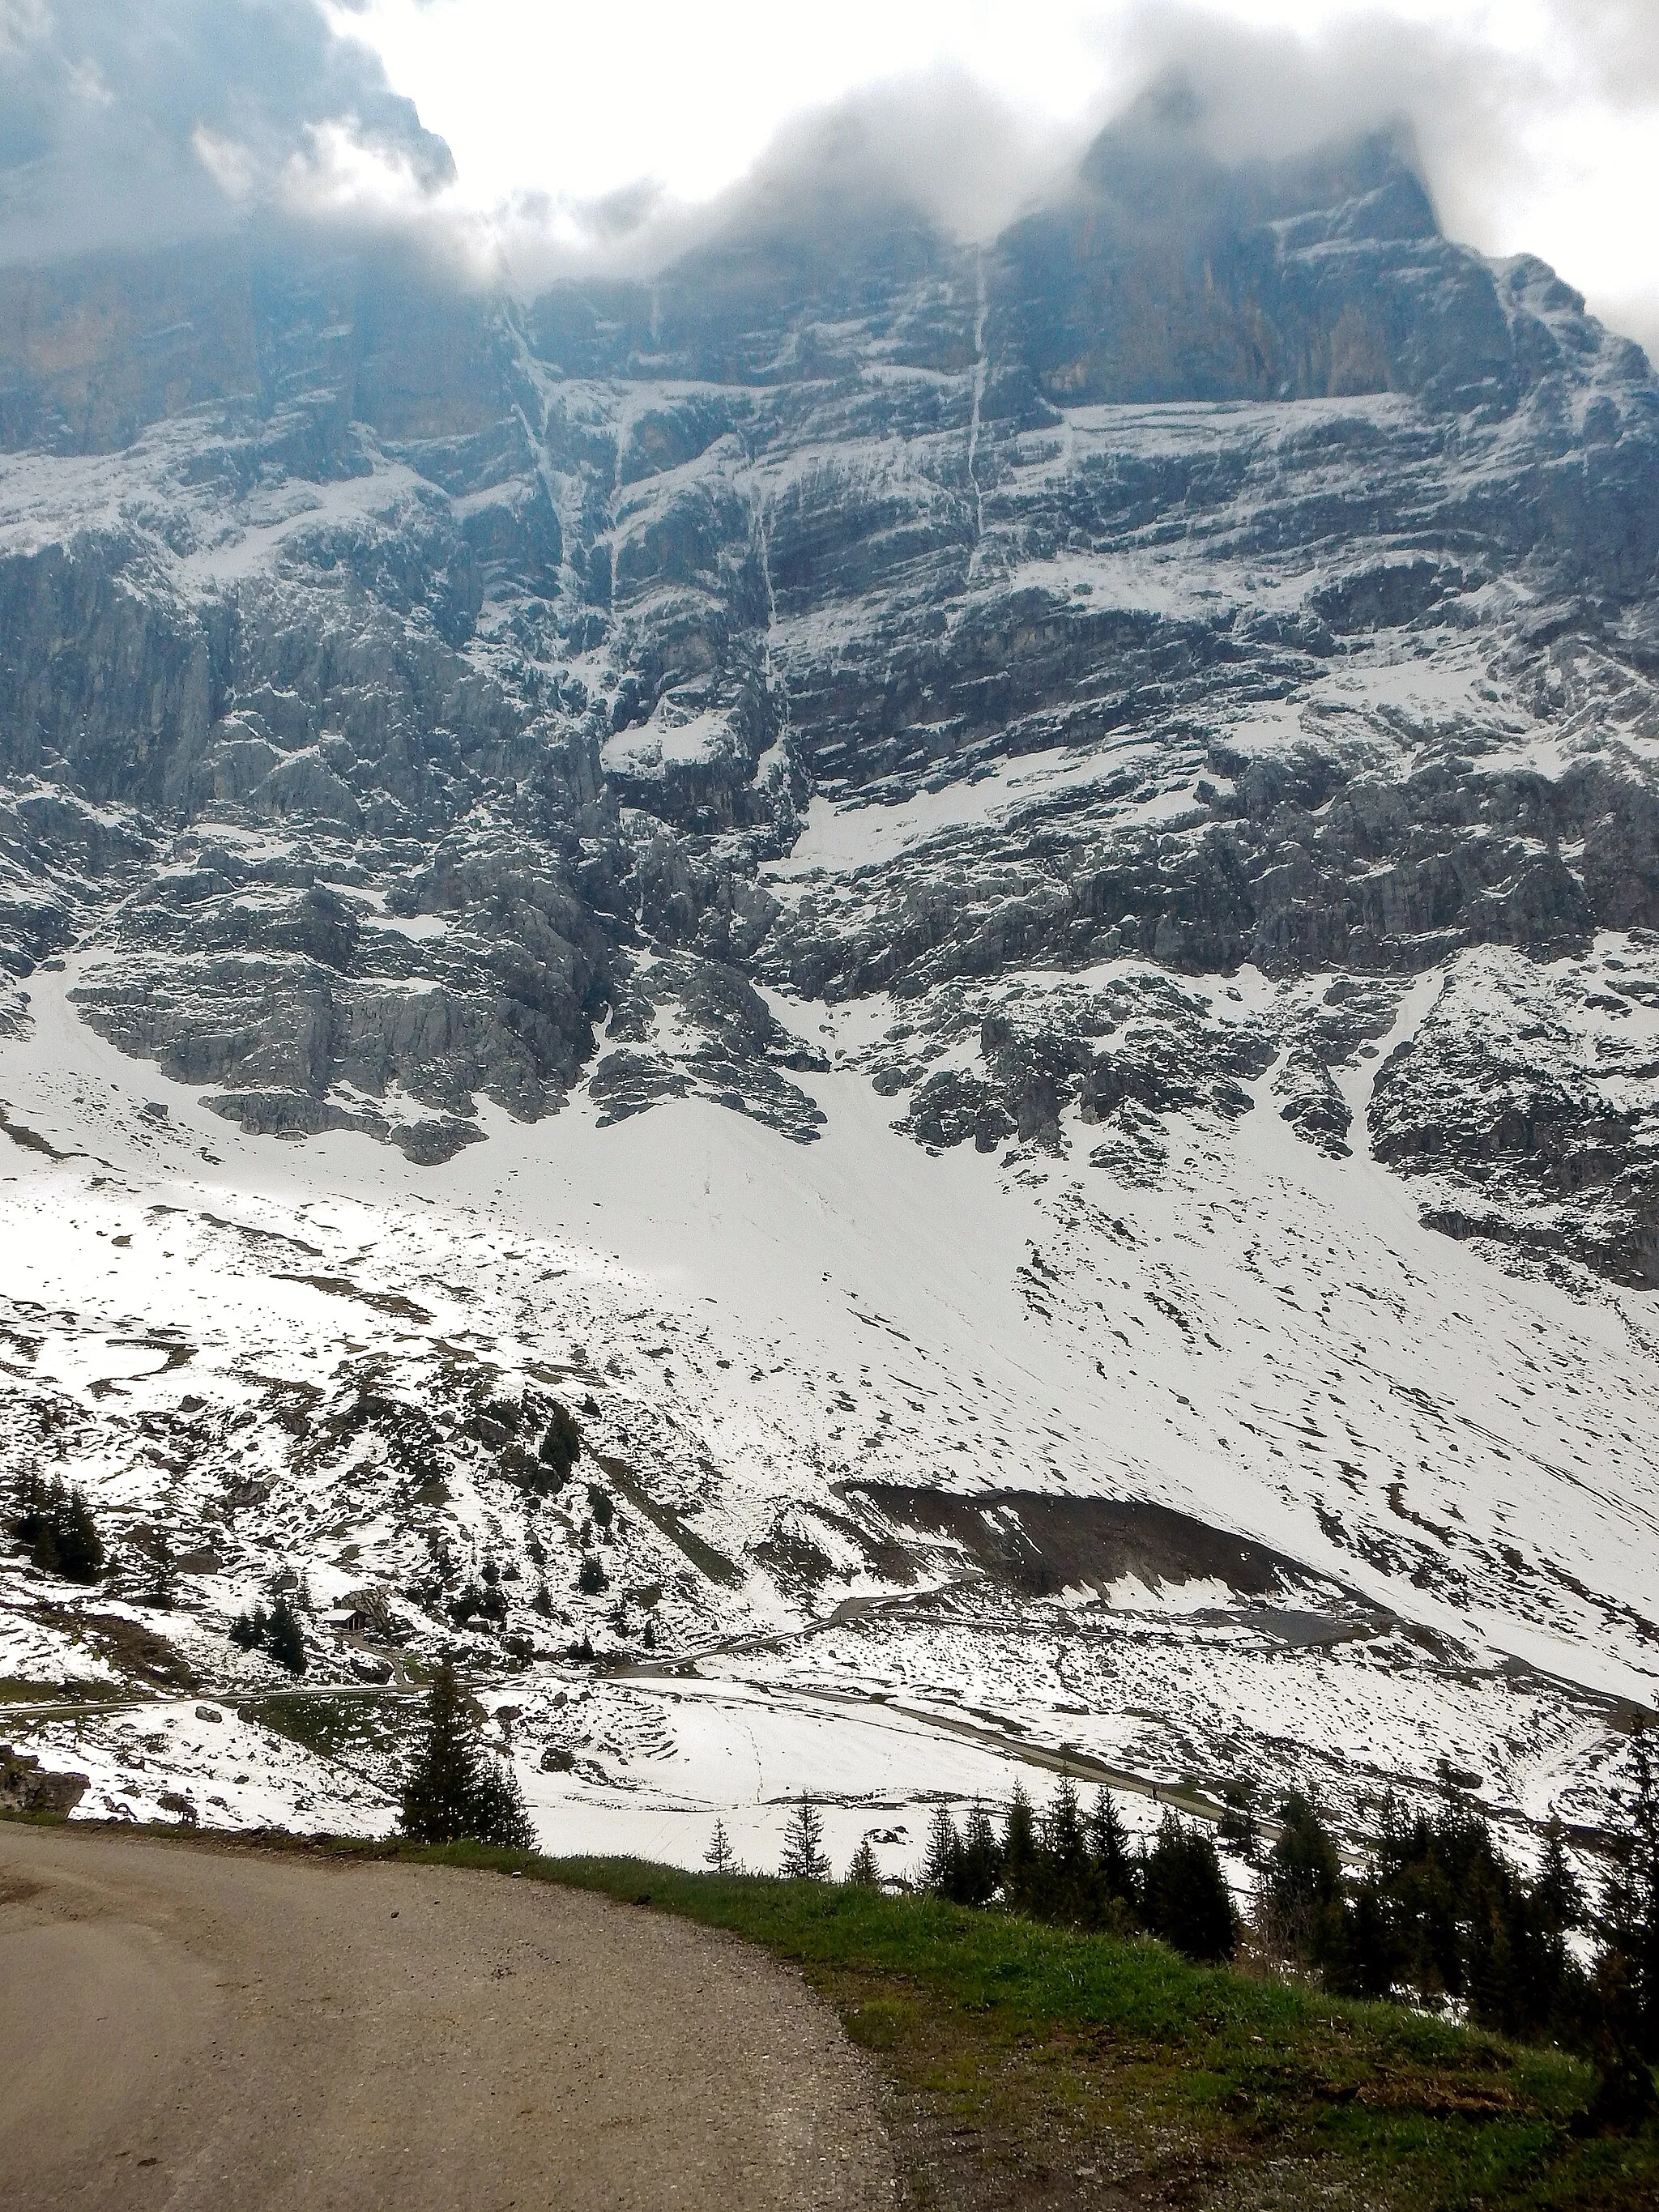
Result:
[
  {"x": 500, "y": 1814},
  {"x": 58, "y": 1526},
  {"x": 1186, "y": 1900},
  {"x": 1109, "y": 1847},
  {"x": 456, "y": 1788},
  {"x": 1559, "y": 1899},
  {"x": 283, "y": 1639},
  {"x": 803, "y": 1855},
  {"x": 1020, "y": 1861},
  {"x": 158, "y": 1568},
  {"x": 719, "y": 1855},
  {"x": 1238, "y": 1828},
  {"x": 80, "y": 1546},
  {"x": 1068, "y": 1887},
  {"x": 862, "y": 1872},
  {"x": 28, "y": 1505},
  {"x": 982, "y": 1858},
  {"x": 1627, "y": 1963},
  {"x": 560, "y": 1448},
  {"x": 1299, "y": 1897},
  {"x": 941, "y": 1864}
]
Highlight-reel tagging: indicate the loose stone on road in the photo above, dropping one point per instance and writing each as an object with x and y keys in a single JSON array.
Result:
[{"x": 186, "y": 2029}]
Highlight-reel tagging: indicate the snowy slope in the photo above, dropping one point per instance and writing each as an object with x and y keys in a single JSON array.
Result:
[{"x": 1457, "y": 1460}]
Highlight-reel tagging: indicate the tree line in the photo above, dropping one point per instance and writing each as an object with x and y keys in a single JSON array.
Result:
[{"x": 1439, "y": 1914}]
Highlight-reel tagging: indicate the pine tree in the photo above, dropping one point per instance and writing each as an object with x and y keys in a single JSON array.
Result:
[
  {"x": 438, "y": 1797},
  {"x": 456, "y": 1788},
  {"x": 941, "y": 1864},
  {"x": 28, "y": 1505},
  {"x": 1560, "y": 1900},
  {"x": 46, "y": 1552},
  {"x": 80, "y": 1546},
  {"x": 1238, "y": 1828},
  {"x": 1020, "y": 1866},
  {"x": 804, "y": 1855},
  {"x": 1186, "y": 1900},
  {"x": 591, "y": 1579},
  {"x": 283, "y": 1639},
  {"x": 1627, "y": 1964},
  {"x": 1068, "y": 1888},
  {"x": 158, "y": 1568},
  {"x": 1109, "y": 1847},
  {"x": 1299, "y": 1896},
  {"x": 501, "y": 1815},
  {"x": 982, "y": 1858},
  {"x": 57, "y": 1525},
  {"x": 560, "y": 1448},
  {"x": 243, "y": 1634},
  {"x": 600, "y": 1504},
  {"x": 720, "y": 1856},
  {"x": 1372, "y": 1957},
  {"x": 862, "y": 1872}
]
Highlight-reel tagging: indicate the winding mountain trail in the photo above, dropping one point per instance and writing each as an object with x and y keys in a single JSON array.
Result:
[{"x": 183, "y": 2028}]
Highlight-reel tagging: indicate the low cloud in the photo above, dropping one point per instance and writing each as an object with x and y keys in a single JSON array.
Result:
[
  {"x": 132, "y": 122},
  {"x": 127, "y": 122}
]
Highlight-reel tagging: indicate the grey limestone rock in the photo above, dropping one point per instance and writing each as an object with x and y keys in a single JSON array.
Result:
[{"x": 410, "y": 695}]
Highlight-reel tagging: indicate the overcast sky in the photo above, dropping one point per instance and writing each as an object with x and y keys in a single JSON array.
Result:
[{"x": 546, "y": 130}]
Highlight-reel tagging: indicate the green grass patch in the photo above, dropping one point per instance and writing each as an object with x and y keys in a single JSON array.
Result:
[
  {"x": 365, "y": 1730},
  {"x": 73, "y": 1690}
]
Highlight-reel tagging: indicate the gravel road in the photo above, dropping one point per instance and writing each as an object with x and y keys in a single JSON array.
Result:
[{"x": 188, "y": 2028}]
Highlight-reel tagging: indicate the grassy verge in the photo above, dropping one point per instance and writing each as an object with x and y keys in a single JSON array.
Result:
[
  {"x": 1028, "y": 2066},
  {"x": 1024, "y": 2066}
]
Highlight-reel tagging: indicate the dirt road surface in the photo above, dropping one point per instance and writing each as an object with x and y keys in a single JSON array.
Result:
[{"x": 184, "y": 2029}]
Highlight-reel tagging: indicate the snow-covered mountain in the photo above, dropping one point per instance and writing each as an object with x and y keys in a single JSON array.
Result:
[{"x": 998, "y": 908}]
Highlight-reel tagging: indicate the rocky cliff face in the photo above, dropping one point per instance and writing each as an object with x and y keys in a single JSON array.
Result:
[{"x": 1223, "y": 567}]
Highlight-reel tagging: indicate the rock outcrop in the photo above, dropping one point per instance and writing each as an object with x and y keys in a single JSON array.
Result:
[{"x": 28, "y": 1787}]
